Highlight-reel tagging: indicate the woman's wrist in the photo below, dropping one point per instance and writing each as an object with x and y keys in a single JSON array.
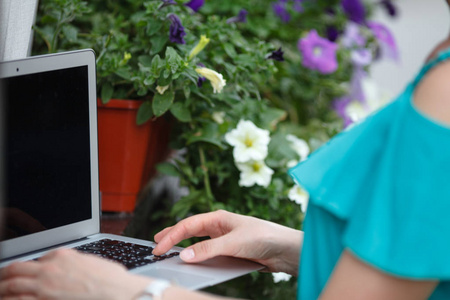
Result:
[
  {"x": 154, "y": 290},
  {"x": 289, "y": 242}
]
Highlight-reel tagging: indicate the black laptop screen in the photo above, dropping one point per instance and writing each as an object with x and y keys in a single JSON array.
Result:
[{"x": 47, "y": 151}]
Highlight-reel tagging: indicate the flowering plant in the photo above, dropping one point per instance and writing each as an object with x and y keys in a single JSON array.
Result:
[{"x": 251, "y": 86}]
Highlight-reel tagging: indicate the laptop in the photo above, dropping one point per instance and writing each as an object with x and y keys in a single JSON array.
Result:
[{"x": 51, "y": 171}]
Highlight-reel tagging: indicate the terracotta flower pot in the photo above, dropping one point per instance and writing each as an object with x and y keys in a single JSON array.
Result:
[{"x": 128, "y": 153}]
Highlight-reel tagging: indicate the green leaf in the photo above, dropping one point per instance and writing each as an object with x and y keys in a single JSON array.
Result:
[
  {"x": 208, "y": 134},
  {"x": 168, "y": 169},
  {"x": 146, "y": 60},
  {"x": 142, "y": 91},
  {"x": 218, "y": 205},
  {"x": 163, "y": 81},
  {"x": 191, "y": 74},
  {"x": 184, "y": 205},
  {"x": 166, "y": 74},
  {"x": 271, "y": 116},
  {"x": 124, "y": 73},
  {"x": 107, "y": 92},
  {"x": 149, "y": 80},
  {"x": 71, "y": 33},
  {"x": 153, "y": 26},
  {"x": 47, "y": 19},
  {"x": 158, "y": 43},
  {"x": 181, "y": 112},
  {"x": 229, "y": 49},
  {"x": 161, "y": 103},
  {"x": 144, "y": 113},
  {"x": 173, "y": 59},
  {"x": 205, "y": 139},
  {"x": 171, "y": 54},
  {"x": 186, "y": 91}
]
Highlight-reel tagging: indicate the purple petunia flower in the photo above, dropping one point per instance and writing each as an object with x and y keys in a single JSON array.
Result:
[
  {"x": 386, "y": 40},
  {"x": 318, "y": 53},
  {"x": 389, "y": 6},
  {"x": 355, "y": 10},
  {"x": 361, "y": 57},
  {"x": 298, "y": 7},
  {"x": 356, "y": 89},
  {"x": 200, "y": 81},
  {"x": 177, "y": 32},
  {"x": 240, "y": 18},
  {"x": 332, "y": 33},
  {"x": 277, "y": 55},
  {"x": 279, "y": 8},
  {"x": 340, "y": 107},
  {"x": 195, "y": 5},
  {"x": 352, "y": 36}
]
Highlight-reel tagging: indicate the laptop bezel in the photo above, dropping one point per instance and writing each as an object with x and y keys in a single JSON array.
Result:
[{"x": 36, "y": 64}]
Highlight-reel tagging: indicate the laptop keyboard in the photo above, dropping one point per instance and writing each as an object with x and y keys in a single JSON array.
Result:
[{"x": 128, "y": 254}]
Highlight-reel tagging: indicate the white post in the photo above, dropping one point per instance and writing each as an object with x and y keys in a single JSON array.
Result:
[{"x": 16, "y": 20}]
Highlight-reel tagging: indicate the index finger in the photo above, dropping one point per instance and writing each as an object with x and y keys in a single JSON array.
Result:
[{"x": 196, "y": 226}]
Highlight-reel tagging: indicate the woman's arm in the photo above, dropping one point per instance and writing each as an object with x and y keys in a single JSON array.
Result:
[
  {"x": 274, "y": 246},
  {"x": 354, "y": 279},
  {"x": 66, "y": 274}
]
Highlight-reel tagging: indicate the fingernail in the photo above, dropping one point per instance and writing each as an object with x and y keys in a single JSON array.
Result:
[{"x": 187, "y": 254}]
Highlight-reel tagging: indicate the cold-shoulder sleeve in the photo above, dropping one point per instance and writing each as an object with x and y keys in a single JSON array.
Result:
[{"x": 388, "y": 179}]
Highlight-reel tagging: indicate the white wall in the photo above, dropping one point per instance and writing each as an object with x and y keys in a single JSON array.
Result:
[{"x": 421, "y": 24}]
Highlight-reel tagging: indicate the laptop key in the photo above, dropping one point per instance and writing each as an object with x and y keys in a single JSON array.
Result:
[{"x": 128, "y": 254}]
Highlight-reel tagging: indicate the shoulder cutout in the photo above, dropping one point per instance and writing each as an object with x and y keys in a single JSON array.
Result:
[{"x": 432, "y": 95}]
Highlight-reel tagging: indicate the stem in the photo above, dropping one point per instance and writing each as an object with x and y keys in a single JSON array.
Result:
[
  {"x": 206, "y": 178},
  {"x": 42, "y": 35}
]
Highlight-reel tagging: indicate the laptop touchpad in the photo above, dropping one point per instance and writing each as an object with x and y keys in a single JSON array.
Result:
[{"x": 176, "y": 277}]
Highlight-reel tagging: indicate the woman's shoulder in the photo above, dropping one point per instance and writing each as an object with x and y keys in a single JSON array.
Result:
[{"x": 432, "y": 94}]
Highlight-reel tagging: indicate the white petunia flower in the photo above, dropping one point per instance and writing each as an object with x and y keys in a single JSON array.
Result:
[
  {"x": 249, "y": 142},
  {"x": 300, "y": 146},
  {"x": 281, "y": 276},
  {"x": 292, "y": 163},
  {"x": 356, "y": 111},
  {"x": 162, "y": 89},
  {"x": 375, "y": 99},
  {"x": 299, "y": 196},
  {"x": 215, "y": 78},
  {"x": 254, "y": 172}
]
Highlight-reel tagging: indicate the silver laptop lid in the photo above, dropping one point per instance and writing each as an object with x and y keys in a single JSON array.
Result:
[{"x": 51, "y": 160}]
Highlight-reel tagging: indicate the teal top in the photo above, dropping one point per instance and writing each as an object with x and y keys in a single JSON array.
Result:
[{"x": 382, "y": 191}]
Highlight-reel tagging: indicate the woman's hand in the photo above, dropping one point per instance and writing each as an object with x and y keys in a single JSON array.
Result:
[
  {"x": 272, "y": 245},
  {"x": 67, "y": 274}
]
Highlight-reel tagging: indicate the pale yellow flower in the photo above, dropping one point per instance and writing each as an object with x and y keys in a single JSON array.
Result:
[
  {"x": 218, "y": 117},
  {"x": 125, "y": 59},
  {"x": 200, "y": 46},
  {"x": 215, "y": 78},
  {"x": 162, "y": 89}
]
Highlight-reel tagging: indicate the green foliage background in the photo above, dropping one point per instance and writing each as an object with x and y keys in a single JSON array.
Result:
[{"x": 134, "y": 56}]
